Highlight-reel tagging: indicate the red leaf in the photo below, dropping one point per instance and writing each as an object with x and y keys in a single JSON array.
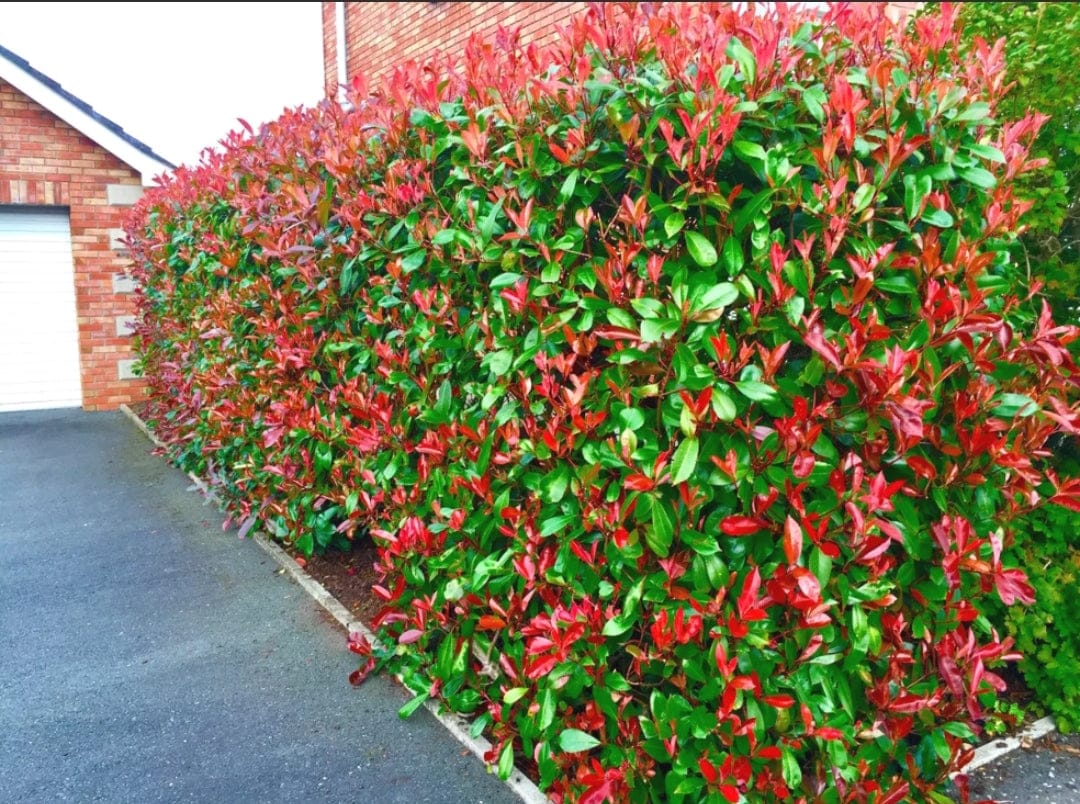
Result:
[
  {"x": 803, "y": 465},
  {"x": 1012, "y": 585},
  {"x": 779, "y": 701},
  {"x": 815, "y": 339},
  {"x": 793, "y": 540},
  {"x": 489, "y": 622},
  {"x": 730, "y": 792},
  {"x": 356, "y": 677},
  {"x": 639, "y": 483},
  {"x": 598, "y": 794},
  {"x": 616, "y": 334},
  {"x": 749, "y": 592},
  {"x": 410, "y": 636},
  {"x": 896, "y": 794},
  {"x": 708, "y": 770},
  {"x": 921, "y": 467},
  {"x": 740, "y": 525},
  {"x": 1070, "y": 500}
]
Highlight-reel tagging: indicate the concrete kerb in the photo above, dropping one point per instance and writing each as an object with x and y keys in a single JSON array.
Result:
[
  {"x": 456, "y": 725},
  {"x": 522, "y": 785},
  {"x": 995, "y": 749}
]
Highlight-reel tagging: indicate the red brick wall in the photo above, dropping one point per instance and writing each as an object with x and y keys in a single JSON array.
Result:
[
  {"x": 43, "y": 160},
  {"x": 329, "y": 44},
  {"x": 379, "y": 35}
]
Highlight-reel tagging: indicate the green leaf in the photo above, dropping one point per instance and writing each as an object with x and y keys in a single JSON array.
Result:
[
  {"x": 413, "y": 260},
  {"x": 980, "y": 177},
  {"x": 974, "y": 113},
  {"x": 718, "y": 296},
  {"x": 756, "y": 391},
  {"x": 938, "y": 217},
  {"x": 487, "y": 225},
  {"x": 305, "y": 543},
  {"x": 514, "y": 694},
  {"x": 619, "y": 625},
  {"x": 739, "y": 53},
  {"x": 662, "y": 532},
  {"x": 749, "y": 151},
  {"x": 647, "y": 308},
  {"x": 684, "y": 461},
  {"x": 821, "y": 565},
  {"x": 620, "y": 318},
  {"x": 506, "y": 760},
  {"x": 505, "y": 280},
  {"x": 723, "y": 406},
  {"x": 862, "y": 198},
  {"x": 674, "y": 223},
  {"x": 961, "y": 730},
  {"x": 408, "y": 709},
  {"x": 574, "y": 740},
  {"x": 900, "y": 282},
  {"x": 499, "y": 362},
  {"x": 703, "y": 252},
  {"x": 547, "y": 709},
  {"x": 749, "y": 211},
  {"x": 989, "y": 153},
  {"x": 916, "y": 188},
  {"x": 555, "y": 483},
  {"x": 732, "y": 256},
  {"x": 566, "y": 192},
  {"x": 554, "y": 524},
  {"x": 789, "y": 767},
  {"x": 814, "y": 98},
  {"x": 1010, "y": 405}
]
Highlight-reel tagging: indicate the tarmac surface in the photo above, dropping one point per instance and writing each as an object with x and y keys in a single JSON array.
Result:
[{"x": 1047, "y": 772}]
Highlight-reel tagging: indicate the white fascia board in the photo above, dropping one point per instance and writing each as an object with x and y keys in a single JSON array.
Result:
[{"x": 46, "y": 96}]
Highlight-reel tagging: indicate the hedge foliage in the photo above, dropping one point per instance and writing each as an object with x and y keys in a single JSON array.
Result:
[{"x": 678, "y": 372}]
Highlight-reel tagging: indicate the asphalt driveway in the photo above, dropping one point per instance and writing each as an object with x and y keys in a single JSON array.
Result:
[{"x": 147, "y": 656}]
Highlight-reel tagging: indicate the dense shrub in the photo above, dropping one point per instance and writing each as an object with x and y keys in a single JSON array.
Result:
[{"x": 678, "y": 372}]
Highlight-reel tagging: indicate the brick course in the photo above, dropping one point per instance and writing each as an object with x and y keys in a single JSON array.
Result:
[{"x": 44, "y": 161}]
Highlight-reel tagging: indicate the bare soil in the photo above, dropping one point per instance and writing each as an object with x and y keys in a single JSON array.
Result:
[{"x": 349, "y": 576}]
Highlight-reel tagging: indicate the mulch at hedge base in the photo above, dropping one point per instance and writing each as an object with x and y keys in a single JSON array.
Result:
[{"x": 349, "y": 576}]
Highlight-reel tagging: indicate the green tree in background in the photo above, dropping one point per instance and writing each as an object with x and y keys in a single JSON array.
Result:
[{"x": 1042, "y": 53}]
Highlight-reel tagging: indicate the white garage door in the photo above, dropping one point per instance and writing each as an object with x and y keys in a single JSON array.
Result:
[{"x": 39, "y": 336}]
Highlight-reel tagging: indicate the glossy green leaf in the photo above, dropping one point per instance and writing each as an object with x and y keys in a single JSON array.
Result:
[{"x": 703, "y": 252}]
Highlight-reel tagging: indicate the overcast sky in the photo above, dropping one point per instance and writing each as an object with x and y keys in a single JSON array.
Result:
[{"x": 175, "y": 75}]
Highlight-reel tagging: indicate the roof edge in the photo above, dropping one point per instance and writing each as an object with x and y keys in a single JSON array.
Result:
[{"x": 79, "y": 114}]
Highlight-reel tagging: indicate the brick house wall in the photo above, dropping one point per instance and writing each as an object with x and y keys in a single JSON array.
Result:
[
  {"x": 46, "y": 162},
  {"x": 380, "y": 35}
]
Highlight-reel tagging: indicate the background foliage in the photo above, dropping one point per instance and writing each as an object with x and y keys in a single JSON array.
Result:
[
  {"x": 679, "y": 373},
  {"x": 1042, "y": 52}
]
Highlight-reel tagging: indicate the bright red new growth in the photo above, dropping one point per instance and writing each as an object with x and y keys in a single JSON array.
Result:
[{"x": 680, "y": 373}]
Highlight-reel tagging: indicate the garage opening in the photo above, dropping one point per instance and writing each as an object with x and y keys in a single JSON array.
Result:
[{"x": 39, "y": 333}]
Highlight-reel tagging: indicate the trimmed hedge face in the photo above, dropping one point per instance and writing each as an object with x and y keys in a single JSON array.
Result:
[{"x": 680, "y": 371}]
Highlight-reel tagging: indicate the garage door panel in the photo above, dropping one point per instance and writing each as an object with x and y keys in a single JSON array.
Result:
[{"x": 39, "y": 338}]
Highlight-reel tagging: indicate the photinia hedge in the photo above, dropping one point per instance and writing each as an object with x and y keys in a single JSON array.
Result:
[{"x": 678, "y": 372}]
